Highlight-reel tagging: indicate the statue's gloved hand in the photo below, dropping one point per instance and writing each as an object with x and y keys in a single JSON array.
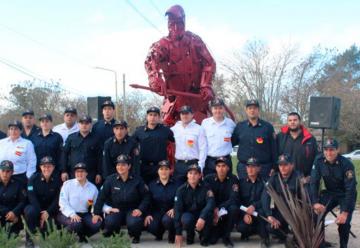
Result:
[
  {"x": 157, "y": 85},
  {"x": 206, "y": 93}
]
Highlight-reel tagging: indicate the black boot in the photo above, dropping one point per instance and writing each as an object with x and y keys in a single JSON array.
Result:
[
  {"x": 136, "y": 240},
  {"x": 171, "y": 238},
  {"x": 227, "y": 242},
  {"x": 190, "y": 238},
  {"x": 158, "y": 237},
  {"x": 265, "y": 243}
]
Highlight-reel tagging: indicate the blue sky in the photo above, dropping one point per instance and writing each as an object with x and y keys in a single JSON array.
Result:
[{"x": 64, "y": 40}]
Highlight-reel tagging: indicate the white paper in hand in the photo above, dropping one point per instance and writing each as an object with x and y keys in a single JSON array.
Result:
[
  {"x": 222, "y": 212},
  {"x": 328, "y": 222},
  {"x": 243, "y": 208}
]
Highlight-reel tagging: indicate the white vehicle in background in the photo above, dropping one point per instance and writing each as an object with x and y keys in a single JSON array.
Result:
[{"x": 354, "y": 155}]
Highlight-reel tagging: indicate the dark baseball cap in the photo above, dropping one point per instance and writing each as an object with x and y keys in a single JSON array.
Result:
[
  {"x": 108, "y": 103},
  {"x": 120, "y": 123},
  {"x": 122, "y": 159},
  {"x": 221, "y": 160},
  {"x": 46, "y": 117},
  {"x": 252, "y": 102},
  {"x": 331, "y": 143},
  {"x": 28, "y": 112},
  {"x": 217, "y": 102},
  {"x": 164, "y": 163},
  {"x": 7, "y": 165},
  {"x": 194, "y": 167},
  {"x": 153, "y": 110},
  {"x": 15, "y": 123},
  {"x": 70, "y": 110},
  {"x": 47, "y": 160},
  {"x": 252, "y": 162},
  {"x": 85, "y": 118},
  {"x": 284, "y": 159},
  {"x": 80, "y": 166},
  {"x": 185, "y": 109}
]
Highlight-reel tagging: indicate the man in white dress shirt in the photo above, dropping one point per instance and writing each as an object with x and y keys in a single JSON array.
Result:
[
  {"x": 77, "y": 198},
  {"x": 190, "y": 144},
  {"x": 69, "y": 126},
  {"x": 218, "y": 131},
  {"x": 19, "y": 151}
]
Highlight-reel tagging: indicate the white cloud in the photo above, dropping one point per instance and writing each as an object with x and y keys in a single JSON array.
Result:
[{"x": 96, "y": 18}]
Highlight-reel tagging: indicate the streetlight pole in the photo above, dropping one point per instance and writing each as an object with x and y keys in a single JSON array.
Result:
[{"x": 116, "y": 87}]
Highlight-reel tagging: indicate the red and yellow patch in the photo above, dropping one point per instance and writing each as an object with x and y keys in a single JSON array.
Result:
[
  {"x": 190, "y": 143},
  {"x": 90, "y": 202},
  {"x": 259, "y": 140},
  {"x": 227, "y": 139},
  {"x": 18, "y": 153}
]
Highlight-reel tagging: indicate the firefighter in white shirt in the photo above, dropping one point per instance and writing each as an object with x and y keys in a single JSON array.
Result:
[
  {"x": 19, "y": 151},
  {"x": 70, "y": 125},
  {"x": 77, "y": 197},
  {"x": 190, "y": 144},
  {"x": 218, "y": 131}
]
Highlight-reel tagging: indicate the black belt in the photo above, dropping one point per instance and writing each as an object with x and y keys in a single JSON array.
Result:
[
  {"x": 215, "y": 158},
  {"x": 189, "y": 161}
]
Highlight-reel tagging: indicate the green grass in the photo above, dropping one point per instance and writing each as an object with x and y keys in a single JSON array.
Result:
[{"x": 357, "y": 172}]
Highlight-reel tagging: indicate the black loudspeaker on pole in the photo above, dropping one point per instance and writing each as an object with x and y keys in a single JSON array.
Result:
[
  {"x": 94, "y": 106},
  {"x": 324, "y": 114}
]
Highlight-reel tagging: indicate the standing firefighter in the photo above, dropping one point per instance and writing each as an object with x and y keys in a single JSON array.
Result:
[{"x": 180, "y": 62}]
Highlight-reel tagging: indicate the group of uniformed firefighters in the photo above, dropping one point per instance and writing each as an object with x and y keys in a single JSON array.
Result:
[{"x": 89, "y": 177}]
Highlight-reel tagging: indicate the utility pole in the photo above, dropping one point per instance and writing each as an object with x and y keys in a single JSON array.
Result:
[{"x": 124, "y": 99}]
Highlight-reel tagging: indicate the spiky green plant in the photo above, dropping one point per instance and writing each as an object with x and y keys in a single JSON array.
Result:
[
  {"x": 297, "y": 211},
  {"x": 120, "y": 240},
  {"x": 8, "y": 240},
  {"x": 54, "y": 237}
]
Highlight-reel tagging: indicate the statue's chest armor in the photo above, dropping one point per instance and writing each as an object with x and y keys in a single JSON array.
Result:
[{"x": 183, "y": 59}]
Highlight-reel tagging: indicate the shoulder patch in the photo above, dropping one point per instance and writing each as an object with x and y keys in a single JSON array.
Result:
[
  {"x": 349, "y": 174},
  {"x": 30, "y": 188}
]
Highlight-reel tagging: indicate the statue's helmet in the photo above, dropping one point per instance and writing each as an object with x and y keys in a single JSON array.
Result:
[
  {"x": 176, "y": 21},
  {"x": 176, "y": 12}
]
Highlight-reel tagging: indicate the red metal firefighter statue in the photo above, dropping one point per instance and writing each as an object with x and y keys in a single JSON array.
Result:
[{"x": 181, "y": 69}]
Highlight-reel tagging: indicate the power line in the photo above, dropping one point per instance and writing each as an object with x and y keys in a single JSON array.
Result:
[
  {"x": 43, "y": 45},
  {"x": 22, "y": 68},
  {"x": 143, "y": 16},
  {"x": 156, "y": 8},
  {"x": 19, "y": 69},
  {"x": 34, "y": 75}
]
